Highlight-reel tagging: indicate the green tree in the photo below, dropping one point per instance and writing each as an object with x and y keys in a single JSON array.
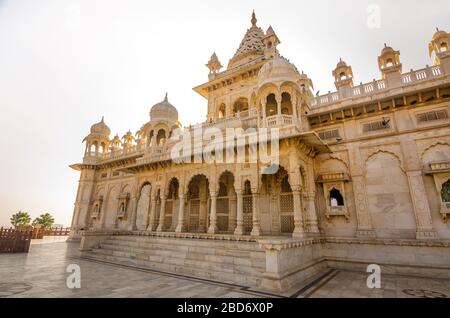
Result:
[
  {"x": 20, "y": 219},
  {"x": 46, "y": 220}
]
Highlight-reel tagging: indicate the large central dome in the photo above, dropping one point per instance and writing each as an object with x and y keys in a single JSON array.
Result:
[
  {"x": 164, "y": 111},
  {"x": 277, "y": 69}
]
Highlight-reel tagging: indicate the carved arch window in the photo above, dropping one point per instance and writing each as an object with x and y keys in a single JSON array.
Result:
[
  {"x": 445, "y": 191},
  {"x": 286, "y": 104}
]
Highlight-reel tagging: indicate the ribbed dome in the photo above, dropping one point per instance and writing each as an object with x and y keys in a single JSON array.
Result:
[
  {"x": 387, "y": 49},
  {"x": 276, "y": 70},
  {"x": 341, "y": 63},
  {"x": 439, "y": 34},
  {"x": 101, "y": 129},
  {"x": 164, "y": 111}
]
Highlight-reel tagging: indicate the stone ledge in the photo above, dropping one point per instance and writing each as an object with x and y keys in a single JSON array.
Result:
[{"x": 379, "y": 241}]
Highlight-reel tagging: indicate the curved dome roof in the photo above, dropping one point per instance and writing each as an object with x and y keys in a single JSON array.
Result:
[
  {"x": 277, "y": 69},
  {"x": 387, "y": 49},
  {"x": 439, "y": 34},
  {"x": 341, "y": 63},
  {"x": 164, "y": 111},
  {"x": 101, "y": 128}
]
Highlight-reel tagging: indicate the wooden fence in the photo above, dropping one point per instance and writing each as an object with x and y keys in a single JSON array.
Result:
[
  {"x": 39, "y": 233},
  {"x": 15, "y": 240},
  {"x": 57, "y": 232}
]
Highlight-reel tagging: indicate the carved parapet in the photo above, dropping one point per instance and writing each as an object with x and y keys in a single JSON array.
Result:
[
  {"x": 438, "y": 167},
  {"x": 445, "y": 211},
  {"x": 337, "y": 211},
  {"x": 278, "y": 245},
  {"x": 333, "y": 177}
]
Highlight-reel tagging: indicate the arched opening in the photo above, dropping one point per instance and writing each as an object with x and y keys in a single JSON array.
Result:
[
  {"x": 224, "y": 202},
  {"x": 111, "y": 208},
  {"x": 286, "y": 204},
  {"x": 247, "y": 201},
  {"x": 241, "y": 105},
  {"x": 336, "y": 198},
  {"x": 389, "y": 62},
  {"x": 277, "y": 187},
  {"x": 171, "y": 203},
  {"x": 444, "y": 47},
  {"x": 150, "y": 138},
  {"x": 198, "y": 197},
  {"x": 161, "y": 137},
  {"x": 445, "y": 191},
  {"x": 286, "y": 104},
  {"x": 222, "y": 111},
  {"x": 342, "y": 76},
  {"x": 271, "y": 105},
  {"x": 143, "y": 207},
  {"x": 102, "y": 147},
  {"x": 389, "y": 197}
]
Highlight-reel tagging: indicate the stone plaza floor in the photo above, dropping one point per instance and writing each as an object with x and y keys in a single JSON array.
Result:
[{"x": 43, "y": 273}]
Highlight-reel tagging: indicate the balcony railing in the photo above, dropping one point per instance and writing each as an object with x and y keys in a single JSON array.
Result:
[
  {"x": 280, "y": 120},
  {"x": 362, "y": 90}
]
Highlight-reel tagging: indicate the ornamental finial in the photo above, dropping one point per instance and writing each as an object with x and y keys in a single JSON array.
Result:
[{"x": 254, "y": 20}]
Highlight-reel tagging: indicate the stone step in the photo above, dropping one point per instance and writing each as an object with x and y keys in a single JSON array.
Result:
[
  {"x": 210, "y": 273},
  {"x": 133, "y": 240},
  {"x": 182, "y": 257},
  {"x": 183, "y": 250},
  {"x": 228, "y": 263}
]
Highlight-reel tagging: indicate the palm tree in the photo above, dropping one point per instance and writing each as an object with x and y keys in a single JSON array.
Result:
[
  {"x": 45, "y": 220},
  {"x": 20, "y": 219}
]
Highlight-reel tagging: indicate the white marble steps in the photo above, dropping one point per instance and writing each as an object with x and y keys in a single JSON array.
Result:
[{"x": 240, "y": 263}]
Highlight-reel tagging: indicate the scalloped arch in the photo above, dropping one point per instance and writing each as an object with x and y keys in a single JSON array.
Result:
[
  {"x": 378, "y": 151},
  {"x": 435, "y": 144}
]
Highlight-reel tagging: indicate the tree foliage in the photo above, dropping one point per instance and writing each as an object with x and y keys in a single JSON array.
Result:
[
  {"x": 45, "y": 220},
  {"x": 20, "y": 219}
]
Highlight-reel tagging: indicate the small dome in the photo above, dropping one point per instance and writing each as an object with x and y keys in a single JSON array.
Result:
[
  {"x": 164, "y": 111},
  {"x": 439, "y": 34},
  {"x": 277, "y": 69},
  {"x": 101, "y": 128},
  {"x": 387, "y": 49},
  {"x": 341, "y": 63}
]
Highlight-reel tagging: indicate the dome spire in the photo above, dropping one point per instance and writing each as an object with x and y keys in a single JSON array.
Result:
[
  {"x": 166, "y": 98},
  {"x": 254, "y": 20}
]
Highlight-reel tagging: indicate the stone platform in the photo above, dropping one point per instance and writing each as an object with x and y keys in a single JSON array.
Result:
[{"x": 275, "y": 264}]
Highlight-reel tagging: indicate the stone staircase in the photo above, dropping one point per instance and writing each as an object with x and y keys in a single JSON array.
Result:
[{"x": 234, "y": 262}]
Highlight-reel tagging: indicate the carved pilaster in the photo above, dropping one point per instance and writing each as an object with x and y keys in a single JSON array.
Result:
[{"x": 421, "y": 207}]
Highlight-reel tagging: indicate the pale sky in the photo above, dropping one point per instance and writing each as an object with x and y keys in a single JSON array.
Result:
[{"x": 66, "y": 63}]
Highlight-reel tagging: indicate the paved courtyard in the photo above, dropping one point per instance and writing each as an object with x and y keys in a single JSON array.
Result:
[{"x": 42, "y": 273}]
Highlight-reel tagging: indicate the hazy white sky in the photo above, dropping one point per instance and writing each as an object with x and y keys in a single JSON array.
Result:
[{"x": 66, "y": 63}]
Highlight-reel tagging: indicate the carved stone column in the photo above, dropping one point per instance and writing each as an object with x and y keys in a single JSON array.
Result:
[
  {"x": 213, "y": 215},
  {"x": 278, "y": 99},
  {"x": 162, "y": 214},
  {"x": 364, "y": 224},
  {"x": 232, "y": 213},
  {"x": 256, "y": 227},
  {"x": 132, "y": 222},
  {"x": 181, "y": 222},
  {"x": 151, "y": 224},
  {"x": 240, "y": 214},
  {"x": 422, "y": 212},
  {"x": 299, "y": 231},
  {"x": 312, "y": 226},
  {"x": 419, "y": 198}
]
